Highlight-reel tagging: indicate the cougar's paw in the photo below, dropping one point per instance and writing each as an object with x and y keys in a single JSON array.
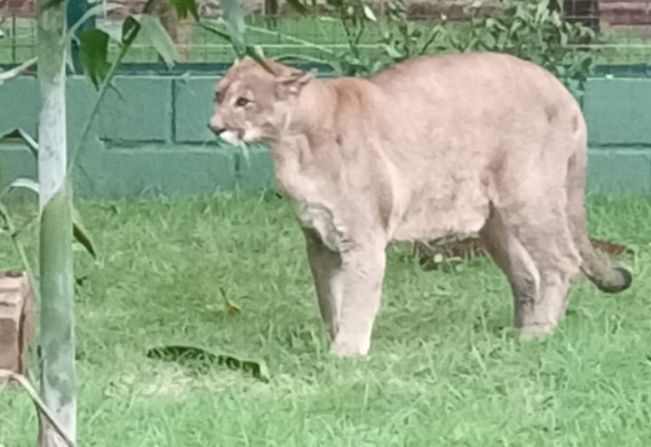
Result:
[
  {"x": 535, "y": 331},
  {"x": 342, "y": 347}
]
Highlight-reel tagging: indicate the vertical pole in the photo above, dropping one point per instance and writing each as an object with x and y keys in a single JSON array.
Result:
[{"x": 57, "y": 341}]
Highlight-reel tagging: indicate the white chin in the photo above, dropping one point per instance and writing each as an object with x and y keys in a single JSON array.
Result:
[
  {"x": 251, "y": 135},
  {"x": 231, "y": 137}
]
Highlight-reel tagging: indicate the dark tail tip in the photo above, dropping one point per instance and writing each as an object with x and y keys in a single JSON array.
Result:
[
  {"x": 626, "y": 275},
  {"x": 619, "y": 286}
]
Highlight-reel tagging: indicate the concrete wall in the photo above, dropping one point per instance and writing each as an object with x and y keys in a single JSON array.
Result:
[{"x": 152, "y": 138}]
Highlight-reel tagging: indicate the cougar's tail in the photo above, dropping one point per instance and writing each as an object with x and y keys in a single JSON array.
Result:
[{"x": 595, "y": 267}]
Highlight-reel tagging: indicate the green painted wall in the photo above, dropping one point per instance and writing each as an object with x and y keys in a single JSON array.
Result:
[{"x": 152, "y": 138}]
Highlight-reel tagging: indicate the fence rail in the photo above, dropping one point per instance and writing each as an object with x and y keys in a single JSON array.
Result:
[{"x": 624, "y": 28}]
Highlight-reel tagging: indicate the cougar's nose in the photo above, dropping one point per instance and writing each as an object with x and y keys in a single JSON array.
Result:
[
  {"x": 216, "y": 130},
  {"x": 216, "y": 126}
]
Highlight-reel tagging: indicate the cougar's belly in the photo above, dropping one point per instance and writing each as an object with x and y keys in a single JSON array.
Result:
[{"x": 439, "y": 214}]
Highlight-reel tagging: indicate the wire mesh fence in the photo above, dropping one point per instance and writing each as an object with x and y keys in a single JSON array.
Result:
[{"x": 623, "y": 28}]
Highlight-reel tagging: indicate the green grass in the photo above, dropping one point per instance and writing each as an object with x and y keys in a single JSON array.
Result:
[{"x": 445, "y": 368}]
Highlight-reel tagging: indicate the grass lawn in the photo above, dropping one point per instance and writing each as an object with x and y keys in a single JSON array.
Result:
[{"x": 445, "y": 368}]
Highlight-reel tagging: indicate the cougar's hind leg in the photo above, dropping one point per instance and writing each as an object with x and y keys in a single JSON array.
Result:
[{"x": 538, "y": 254}]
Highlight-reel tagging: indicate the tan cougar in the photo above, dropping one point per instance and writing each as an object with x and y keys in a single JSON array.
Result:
[{"x": 430, "y": 147}]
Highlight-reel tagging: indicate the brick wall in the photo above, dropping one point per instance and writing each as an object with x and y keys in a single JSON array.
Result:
[{"x": 154, "y": 138}]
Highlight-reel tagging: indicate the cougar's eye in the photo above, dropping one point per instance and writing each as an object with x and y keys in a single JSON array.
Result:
[{"x": 242, "y": 101}]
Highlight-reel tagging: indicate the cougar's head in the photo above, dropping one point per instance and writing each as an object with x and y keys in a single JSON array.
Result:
[{"x": 251, "y": 104}]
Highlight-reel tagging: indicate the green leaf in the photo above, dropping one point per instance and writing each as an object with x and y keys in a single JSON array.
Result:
[
  {"x": 130, "y": 30},
  {"x": 93, "y": 11},
  {"x": 214, "y": 30},
  {"x": 192, "y": 354},
  {"x": 563, "y": 39},
  {"x": 80, "y": 233},
  {"x": 234, "y": 18},
  {"x": 26, "y": 137},
  {"x": 25, "y": 183},
  {"x": 299, "y": 7},
  {"x": 68, "y": 56},
  {"x": 4, "y": 213},
  {"x": 392, "y": 51},
  {"x": 369, "y": 14},
  {"x": 186, "y": 7},
  {"x": 255, "y": 53},
  {"x": 128, "y": 26},
  {"x": 16, "y": 71},
  {"x": 542, "y": 9},
  {"x": 300, "y": 57},
  {"x": 114, "y": 33},
  {"x": 93, "y": 51},
  {"x": 20, "y": 183},
  {"x": 431, "y": 37},
  {"x": 152, "y": 31},
  {"x": 517, "y": 24}
]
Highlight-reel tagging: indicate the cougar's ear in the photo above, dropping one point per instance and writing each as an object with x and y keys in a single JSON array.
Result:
[{"x": 292, "y": 83}]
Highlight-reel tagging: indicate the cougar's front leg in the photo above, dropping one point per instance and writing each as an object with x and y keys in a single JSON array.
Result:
[
  {"x": 349, "y": 287},
  {"x": 360, "y": 281}
]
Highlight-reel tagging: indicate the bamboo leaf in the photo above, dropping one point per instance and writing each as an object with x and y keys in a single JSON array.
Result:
[
  {"x": 214, "y": 30},
  {"x": 79, "y": 231},
  {"x": 234, "y": 18},
  {"x": 300, "y": 57},
  {"x": 254, "y": 52},
  {"x": 186, "y": 7},
  {"x": 23, "y": 135},
  {"x": 4, "y": 213},
  {"x": 292, "y": 39},
  {"x": 90, "y": 12},
  {"x": 152, "y": 31},
  {"x": 68, "y": 56},
  {"x": 93, "y": 50},
  {"x": 25, "y": 183},
  {"x": 298, "y": 6},
  {"x": 81, "y": 234},
  {"x": 392, "y": 51},
  {"x": 113, "y": 32},
  {"x": 369, "y": 14},
  {"x": 16, "y": 71},
  {"x": 130, "y": 29}
]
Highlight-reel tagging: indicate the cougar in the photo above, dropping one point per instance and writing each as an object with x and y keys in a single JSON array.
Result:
[{"x": 430, "y": 147}]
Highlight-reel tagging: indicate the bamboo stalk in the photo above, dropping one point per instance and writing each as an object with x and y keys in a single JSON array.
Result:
[{"x": 55, "y": 252}]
